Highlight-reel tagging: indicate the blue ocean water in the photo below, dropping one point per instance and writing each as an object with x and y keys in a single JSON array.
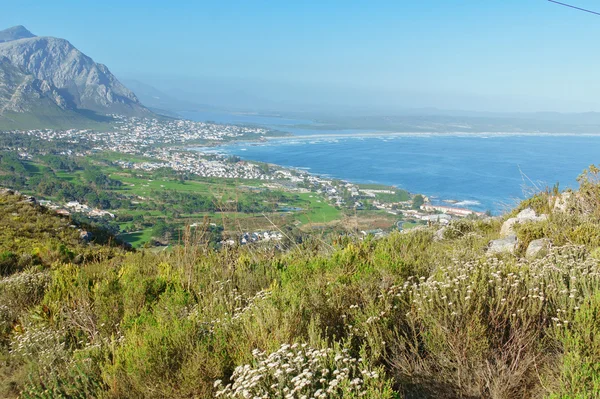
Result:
[{"x": 482, "y": 172}]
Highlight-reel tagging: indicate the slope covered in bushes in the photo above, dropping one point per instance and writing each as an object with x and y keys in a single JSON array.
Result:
[{"x": 426, "y": 314}]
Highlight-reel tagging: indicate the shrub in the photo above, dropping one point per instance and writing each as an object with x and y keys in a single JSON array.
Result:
[
  {"x": 299, "y": 371},
  {"x": 580, "y": 369}
]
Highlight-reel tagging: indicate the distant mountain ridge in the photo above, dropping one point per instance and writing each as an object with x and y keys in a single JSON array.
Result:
[{"x": 49, "y": 75}]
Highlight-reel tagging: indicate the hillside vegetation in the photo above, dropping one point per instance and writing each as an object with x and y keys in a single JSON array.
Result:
[{"x": 426, "y": 314}]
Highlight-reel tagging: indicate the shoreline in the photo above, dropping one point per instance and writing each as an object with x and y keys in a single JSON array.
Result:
[
  {"x": 438, "y": 202},
  {"x": 429, "y": 134}
]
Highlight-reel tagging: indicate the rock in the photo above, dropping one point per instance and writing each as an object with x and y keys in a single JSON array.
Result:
[
  {"x": 86, "y": 236},
  {"x": 507, "y": 244},
  {"x": 526, "y": 215},
  {"x": 562, "y": 202},
  {"x": 28, "y": 200},
  {"x": 439, "y": 235},
  {"x": 507, "y": 227},
  {"x": 78, "y": 259},
  {"x": 537, "y": 248}
]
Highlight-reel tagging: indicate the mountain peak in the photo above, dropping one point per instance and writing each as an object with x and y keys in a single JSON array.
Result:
[
  {"x": 15, "y": 33},
  {"x": 51, "y": 70}
]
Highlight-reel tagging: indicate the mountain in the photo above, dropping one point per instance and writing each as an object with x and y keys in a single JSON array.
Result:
[
  {"x": 20, "y": 92},
  {"x": 42, "y": 74},
  {"x": 15, "y": 33},
  {"x": 27, "y": 102}
]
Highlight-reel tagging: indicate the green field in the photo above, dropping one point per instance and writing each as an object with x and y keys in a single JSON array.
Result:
[
  {"x": 143, "y": 185},
  {"x": 137, "y": 238},
  {"x": 411, "y": 225},
  {"x": 317, "y": 209},
  {"x": 145, "y": 188},
  {"x": 35, "y": 168}
]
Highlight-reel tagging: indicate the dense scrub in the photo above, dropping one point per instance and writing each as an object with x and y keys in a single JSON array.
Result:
[{"x": 408, "y": 316}]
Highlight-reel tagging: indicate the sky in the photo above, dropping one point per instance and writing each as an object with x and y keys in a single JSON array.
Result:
[{"x": 503, "y": 55}]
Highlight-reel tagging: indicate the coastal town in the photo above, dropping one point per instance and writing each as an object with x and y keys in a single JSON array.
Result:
[{"x": 190, "y": 148}]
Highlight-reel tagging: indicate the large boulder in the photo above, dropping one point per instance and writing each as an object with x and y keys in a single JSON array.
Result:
[
  {"x": 526, "y": 215},
  {"x": 503, "y": 245},
  {"x": 537, "y": 248}
]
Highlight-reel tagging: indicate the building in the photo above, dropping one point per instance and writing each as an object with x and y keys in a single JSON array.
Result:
[{"x": 462, "y": 212}]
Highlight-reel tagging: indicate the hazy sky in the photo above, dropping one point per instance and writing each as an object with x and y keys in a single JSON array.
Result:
[{"x": 520, "y": 55}]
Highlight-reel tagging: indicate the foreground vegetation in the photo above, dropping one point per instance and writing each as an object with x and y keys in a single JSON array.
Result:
[{"x": 415, "y": 315}]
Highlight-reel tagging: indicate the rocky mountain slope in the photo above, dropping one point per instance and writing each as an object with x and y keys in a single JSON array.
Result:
[
  {"x": 47, "y": 74},
  {"x": 20, "y": 92}
]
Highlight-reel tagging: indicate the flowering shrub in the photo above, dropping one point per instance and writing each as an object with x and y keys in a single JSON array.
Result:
[
  {"x": 41, "y": 343},
  {"x": 17, "y": 293},
  {"x": 299, "y": 371}
]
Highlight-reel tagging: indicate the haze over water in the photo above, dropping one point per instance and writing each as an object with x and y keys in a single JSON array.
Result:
[{"x": 481, "y": 171}]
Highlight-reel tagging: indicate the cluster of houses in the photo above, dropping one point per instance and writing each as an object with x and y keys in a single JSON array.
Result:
[
  {"x": 254, "y": 237},
  {"x": 194, "y": 162},
  {"x": 138, "y": 135},
  {"x": 147, "y": 131},
  {"x": 258, "y": 236},
  {"x": 449, "y": 210}
]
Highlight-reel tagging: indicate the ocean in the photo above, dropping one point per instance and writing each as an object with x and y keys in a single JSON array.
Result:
[{"x": 480, "y": 171}]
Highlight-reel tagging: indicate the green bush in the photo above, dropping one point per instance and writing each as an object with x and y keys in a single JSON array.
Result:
[{"x": 402, "y": 316}]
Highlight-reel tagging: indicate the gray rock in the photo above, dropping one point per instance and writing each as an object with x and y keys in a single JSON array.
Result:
[
  {"x": 86, "y": 236},
  {"x": 526, "y": 215},
  {"x": 562, "y": 202},
  {"x": 507, "y": 227},
  {"x": 439, "y": 235},
  {"x": 28, "y": 200},
  {"x": 537, "y": 248},
  {"x": 503, "y": 245}
]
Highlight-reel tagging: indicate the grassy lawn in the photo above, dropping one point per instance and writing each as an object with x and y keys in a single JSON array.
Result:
[
  {"x": 35, "y": 168},
  {"x": 410, "y": 225},
  {"x": 374, "y": 187},
  {"x": 400, "y": 196},
  {"x": 69, "y": 176},
  {"x": 317, "y": 211},
  {"x": 138, "y": 238},
  {"x": 142, "y": 186}
]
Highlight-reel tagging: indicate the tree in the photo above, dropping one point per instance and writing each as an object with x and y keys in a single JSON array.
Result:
[
  {"x": 417, "y": 201},
  {"x": 159, "y": 230}
]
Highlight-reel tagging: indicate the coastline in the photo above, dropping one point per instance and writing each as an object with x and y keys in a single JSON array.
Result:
[{"x": 436, "y": 203}]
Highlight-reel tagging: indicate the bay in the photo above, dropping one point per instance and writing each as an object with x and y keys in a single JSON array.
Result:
[{"x": 480, "y": 171}]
